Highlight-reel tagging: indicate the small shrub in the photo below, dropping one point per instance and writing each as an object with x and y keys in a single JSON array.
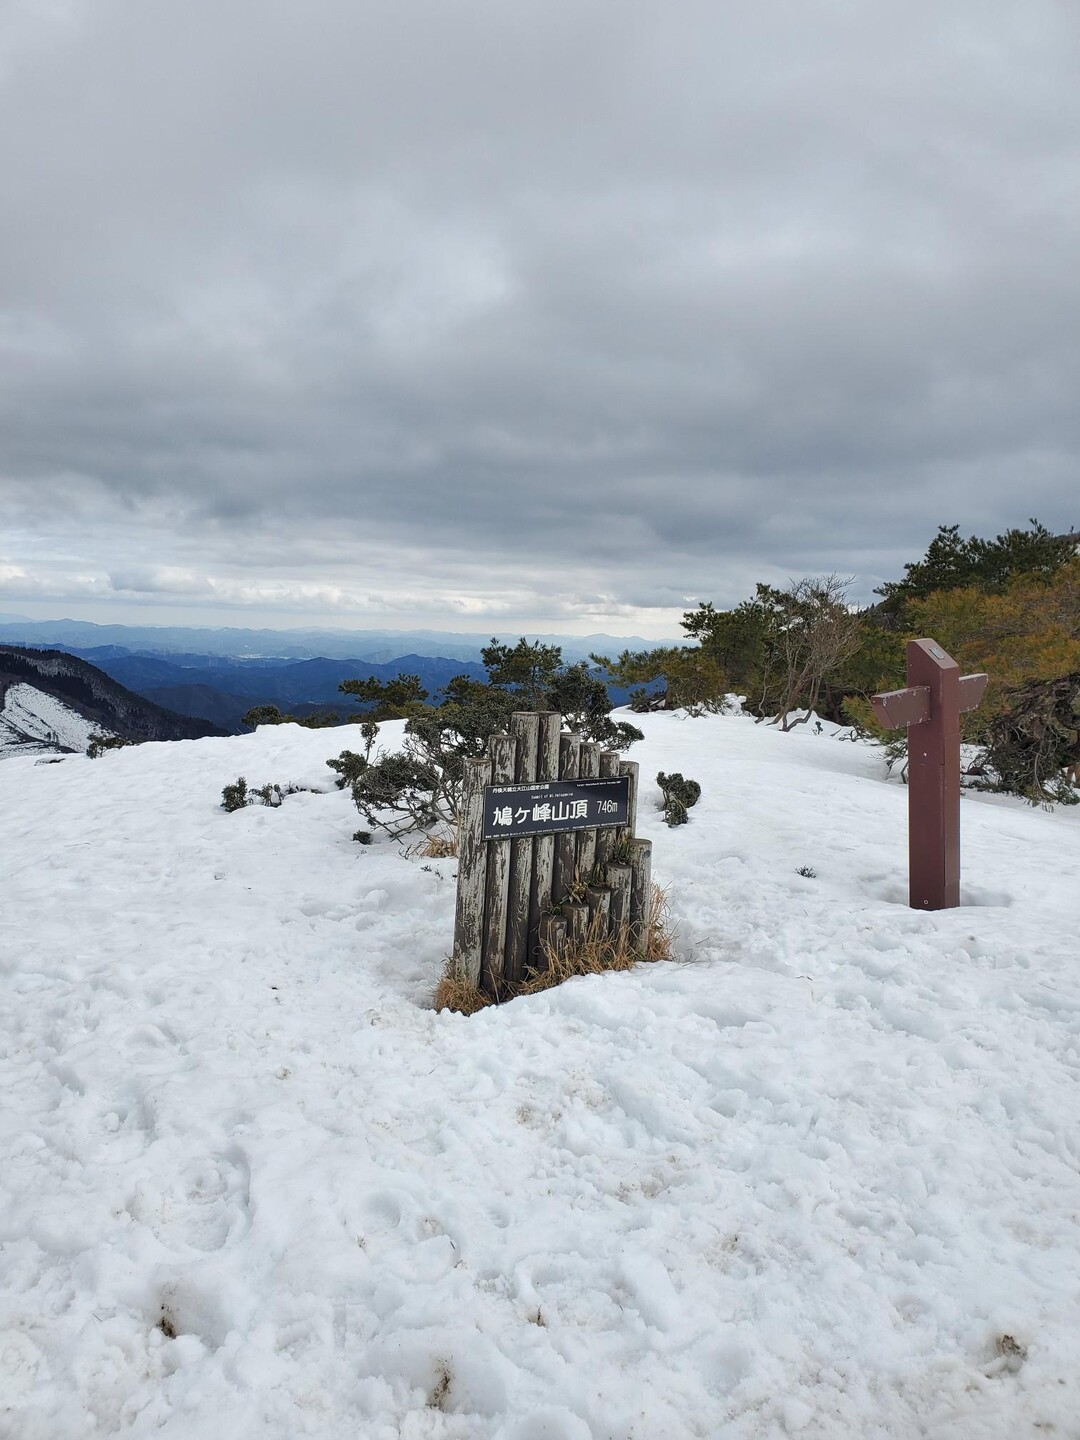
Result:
[
  {"x": 362, "y": 837},
  {"x": 1031, "y": 744},
  {"x": 271, "y": 715},
  {"x": 235, "y": 796},
  {"x": 807, "y": 872},
  {"x": 419, "y": 788},
  {"x": 348, "y": 766},
  {"x": 369, "y": 730},
  {"x": 264, "y": 715},
  {"x": 98, "y": 744},
  {"x": 679, "y": 794},
  {"x": 239, "y": 794}
]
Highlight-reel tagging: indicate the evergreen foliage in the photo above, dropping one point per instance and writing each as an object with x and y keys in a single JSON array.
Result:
[
  {"x": 528, "y": 669},
  {"x": 420, "y": 788},
  {"x": 1030, "y": 743},
  {"x": 388, "y": 699},
  {"x": 235, "y": 796},
  {"x": 689, "y": 677},
  {"x": 98, "y": 744},
  {"x": 952, "y": 562},
  {"x": 583, "y": 701},
  {"x": 679, "y": 795},
  {"x": 1027, "y": 631},
  {"x": 271, "y": 715},
  {"x": 240, "y": 794},
  {"x": 782, "y": 648},
  {"x": 735, "y": 639}
]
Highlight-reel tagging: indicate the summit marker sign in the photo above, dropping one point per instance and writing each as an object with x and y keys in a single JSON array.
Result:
[{"x": 546, "y": 808}]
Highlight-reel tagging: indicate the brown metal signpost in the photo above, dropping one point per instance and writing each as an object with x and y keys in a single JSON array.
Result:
[{"x": 930, "y": 707}]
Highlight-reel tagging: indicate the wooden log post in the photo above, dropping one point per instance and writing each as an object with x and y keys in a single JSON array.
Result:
[
  {"x": 606, "y": 837},
  {"x": 640, "y": 894},
  {"x": 525, "y": 728},
  {"x": 547, "y": 768},
  {"x": 599, "y": 901},
  {"x": 472, "y": 873},
  {"x": 620, "y": 879},
  {"x": 566, "y": 840},
  {"x": 552, "y": 940},
  {"x": 501, "y": 750},
  {"x": 577, "y": 922},
  {"x": 631, "y": 769},
  {"x": 586, "y": 839}
]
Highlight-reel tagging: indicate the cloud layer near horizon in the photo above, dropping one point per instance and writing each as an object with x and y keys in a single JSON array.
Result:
[{"x": 563, "y": 315}]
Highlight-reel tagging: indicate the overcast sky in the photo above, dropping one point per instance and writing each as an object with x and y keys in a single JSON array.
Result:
[{"x": 557, "y": 315}]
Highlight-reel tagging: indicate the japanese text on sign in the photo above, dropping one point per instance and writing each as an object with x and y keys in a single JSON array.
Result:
[{"x": 545, "y": 808}]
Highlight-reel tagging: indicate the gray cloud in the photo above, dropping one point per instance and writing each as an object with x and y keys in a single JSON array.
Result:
[{"x": 549, "y": 313}]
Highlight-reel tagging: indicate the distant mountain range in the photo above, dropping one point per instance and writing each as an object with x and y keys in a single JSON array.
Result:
[
  {"x": 220, "y": 687},
  {"x": 51, "y": 702},
  {"x": 379, "y": 646}
]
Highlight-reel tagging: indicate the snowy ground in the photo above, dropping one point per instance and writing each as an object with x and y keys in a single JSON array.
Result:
[{"x": 818, "y": 1177}]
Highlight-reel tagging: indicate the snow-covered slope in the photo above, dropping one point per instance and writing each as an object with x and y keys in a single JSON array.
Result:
[
  {"x": 821, "y": 1176},
  {"x": 51, "y": 687},
  {"x": 34, "y": 723}
]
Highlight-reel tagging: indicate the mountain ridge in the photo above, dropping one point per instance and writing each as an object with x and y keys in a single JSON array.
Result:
[
  {"x": 379, "y": 646},
  {"x": 82, "y": 690}
]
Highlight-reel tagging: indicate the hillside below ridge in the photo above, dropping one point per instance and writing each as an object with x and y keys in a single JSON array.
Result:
[
  {"x": 98, "y": 703},
  {"x": 33, "y": 722}
]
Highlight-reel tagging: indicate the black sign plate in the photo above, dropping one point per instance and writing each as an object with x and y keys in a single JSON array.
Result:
[{"x": 542, "y": 808}]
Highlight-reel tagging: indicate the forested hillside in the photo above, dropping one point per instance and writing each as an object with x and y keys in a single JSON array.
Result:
[{"x": 89, "y": 692}]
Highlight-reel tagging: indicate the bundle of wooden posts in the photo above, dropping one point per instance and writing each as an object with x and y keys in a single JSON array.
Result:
[{"x": 522, "y": 899}]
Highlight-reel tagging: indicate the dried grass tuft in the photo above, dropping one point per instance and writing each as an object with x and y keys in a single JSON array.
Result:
[
  {"x": 596, "y": 955},
  {"x": 587, "y": 957},
  {"x": 436, "y": 845},
  {"x": 457, "y": 992},
  {"x": 660, "y": 934}
]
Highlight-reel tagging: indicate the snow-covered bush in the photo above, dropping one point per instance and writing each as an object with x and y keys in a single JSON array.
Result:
[{"x": 679, "y": 794}]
